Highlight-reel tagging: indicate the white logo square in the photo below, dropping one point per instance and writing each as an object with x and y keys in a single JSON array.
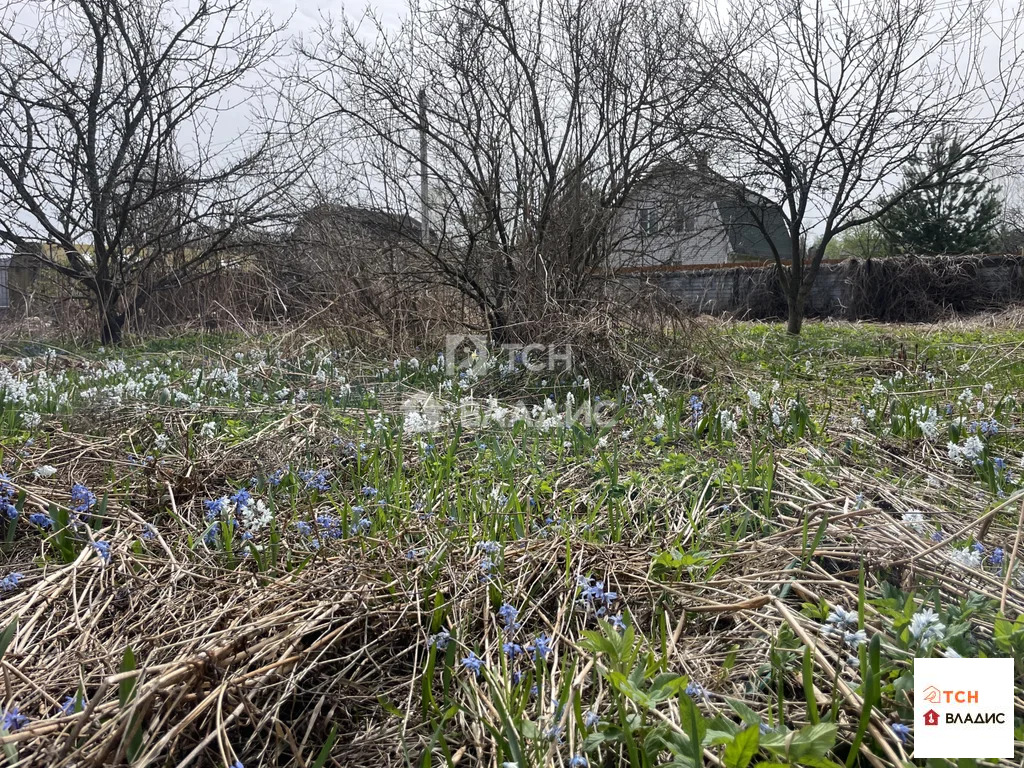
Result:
[{"x": 963, "y": 708}]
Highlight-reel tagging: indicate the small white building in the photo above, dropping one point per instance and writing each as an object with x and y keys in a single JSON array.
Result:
[{"x": 688, "y": 216}]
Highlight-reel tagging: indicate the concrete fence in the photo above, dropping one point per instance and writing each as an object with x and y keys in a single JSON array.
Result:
[{"x": 908, "y": 288}]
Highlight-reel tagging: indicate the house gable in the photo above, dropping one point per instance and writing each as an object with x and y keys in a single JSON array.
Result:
[{"x": 684, "y": 217}]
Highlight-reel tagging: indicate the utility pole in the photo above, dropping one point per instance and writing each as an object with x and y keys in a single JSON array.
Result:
[{"x": 424, "y": 186}]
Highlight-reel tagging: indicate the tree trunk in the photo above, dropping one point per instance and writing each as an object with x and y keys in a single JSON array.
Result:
[
  {"x": 111, "y": 326},
  {"x": 795, "y": 305}
]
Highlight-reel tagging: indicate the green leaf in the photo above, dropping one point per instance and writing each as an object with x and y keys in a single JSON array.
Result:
[
  {"x": 127, "y": 685},
  {"x": 812, "y": 741},
  {"x": 325, "y": 750},
  {"x": 747, "y": 715},
  {"x": 808, "y": 681},
  {"x": 695, "y": 726},
  {"x": 8, "y": 636},
  {"x": 744, "y": 746}
]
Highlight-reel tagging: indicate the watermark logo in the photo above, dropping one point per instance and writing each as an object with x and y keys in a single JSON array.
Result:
[
  {"x": 470, "y": 353},
  {"x": 465, "y": 352},
  {"x": 965, "y": 708}
]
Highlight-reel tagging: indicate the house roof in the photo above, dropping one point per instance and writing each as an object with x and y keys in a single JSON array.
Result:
[{"x": 371, "y": 221}]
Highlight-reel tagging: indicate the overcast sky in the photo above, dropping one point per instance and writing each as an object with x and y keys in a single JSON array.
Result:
[{"x": 306, "y": 15}]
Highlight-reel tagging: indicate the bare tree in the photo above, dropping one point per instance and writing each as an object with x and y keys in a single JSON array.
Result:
[
  {"x": 114, "y": 170},
  {"x": 523, "y": 126},
  {"x": 825, "y": 101}
]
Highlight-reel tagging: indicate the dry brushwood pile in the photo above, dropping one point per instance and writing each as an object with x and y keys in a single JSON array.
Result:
[{"x": 226, "y": 551}]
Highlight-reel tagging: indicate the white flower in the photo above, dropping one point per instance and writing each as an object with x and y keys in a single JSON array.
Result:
[
  {"x": 416, "y": 423},
  {"x": 855, "y": 639},
  {"x": 915, "y": 520},
  {"x": 925, "y": 626},
  {"x": 162, "y": 441},
  {"x": 840, "y": 616},
  {"x": 727, "y": 422},
  {"x": 967, "y": 557},
  {"x": 755, "y": 398},
  {"x": 45, "y": 472},
  {"x": 209, "y": 429}
]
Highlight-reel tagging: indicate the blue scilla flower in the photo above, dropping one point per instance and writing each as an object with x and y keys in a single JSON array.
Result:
[
  {"x": 554, "y": 733},
  {"x": 369, "y": 491},
  {"x": 361, "y": 526},
  {"x": 488, "y": 547},
  {"x": 242, "y": 497},
  {"x": 103, "y": 549},
  {"x": 901, "y": 731},
  {"x": 82, "y": 499},
  {"x": 507, "y": 613},
  {"x": 696, "y": 691},
  {"x": 473, "y": 662},
  {"x": 41, "y": 519},
  {"x": 10, "y": 582},
  {"x": 511, "y": 649},
  {"x": 996, "y": 558},
  {"x": 13, "y": 720},
  {"x": 978, "y": 547},
  {"x": 330, "y": 525},
  {"x": 541, "y": 646},
  {"x": 319, "y": 480},
  {"x": 591, "y": 719},
  {"x": 999, "y": 463},
  {"x": 216, "y": 507},
  {"x": 617, "y": 622},
  {"x": 8, "y": 510},
  {"x": 70, "y": 705},
  {"x": 578, "y": 761}
]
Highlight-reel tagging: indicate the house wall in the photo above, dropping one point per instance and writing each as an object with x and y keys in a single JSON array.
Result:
[{"x": 668, "y": 244}]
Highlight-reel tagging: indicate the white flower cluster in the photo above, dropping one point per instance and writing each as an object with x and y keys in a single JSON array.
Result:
[
  {"x": 968, "y": 451},
  {"x": 967, "y": 557},
  {"x": 915, "y": 520},
  {"x": 925, "y": 626},
  {"x": 927, "y": 419},
  {"x": 727, "y": 422}
]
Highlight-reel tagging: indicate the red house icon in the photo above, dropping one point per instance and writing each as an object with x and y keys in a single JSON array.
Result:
[{"x": 931, "y": 717}]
